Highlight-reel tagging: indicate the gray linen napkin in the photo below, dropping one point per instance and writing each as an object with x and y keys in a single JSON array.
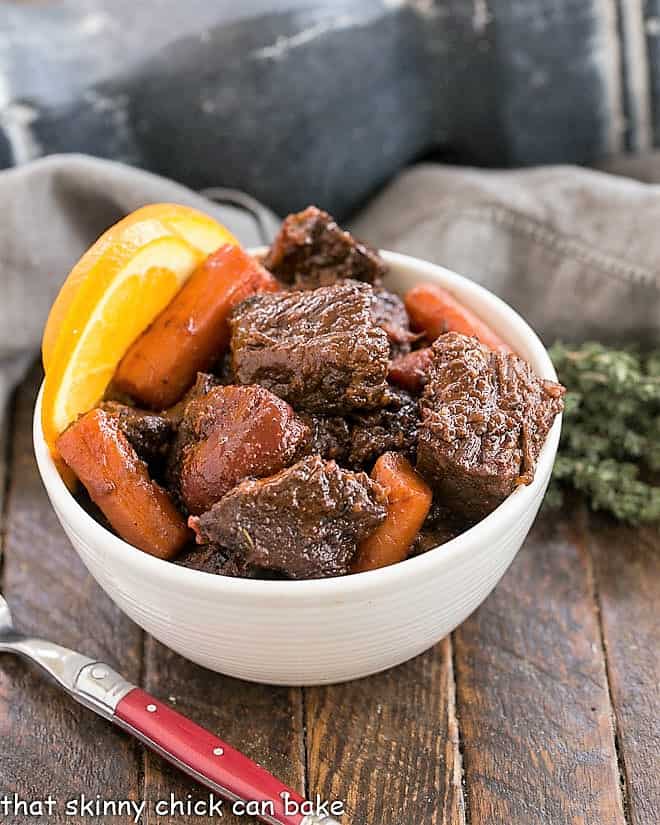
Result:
[
  {"x": 53, "y": 209},
  {"x": 576, "y": 252}
]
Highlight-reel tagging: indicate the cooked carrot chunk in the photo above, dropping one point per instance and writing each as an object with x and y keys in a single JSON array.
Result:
[
  {"x": 117, "y": 481},
  {"x": 409, "y": 501},
  {"x": 434, "y": 311},
  {"x": 192, "y": 331}
]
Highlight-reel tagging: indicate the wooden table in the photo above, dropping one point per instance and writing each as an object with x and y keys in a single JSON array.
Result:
[{"x": 543, "y": 707}]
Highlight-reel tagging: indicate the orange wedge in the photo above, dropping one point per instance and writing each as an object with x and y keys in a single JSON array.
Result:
[{"x": 111, "y": 296}]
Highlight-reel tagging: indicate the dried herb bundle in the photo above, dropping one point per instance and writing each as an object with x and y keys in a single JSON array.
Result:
[{"x": 610, "y": 442}]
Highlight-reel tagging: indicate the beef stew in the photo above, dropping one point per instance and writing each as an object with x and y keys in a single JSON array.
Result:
[{"x": 338, "y": 427}]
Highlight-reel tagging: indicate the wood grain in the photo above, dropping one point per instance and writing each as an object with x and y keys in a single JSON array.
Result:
[
  {"x": 627, "y": 572},
  {"x": 532, "y": 692},
  {"x": 387, "y": 746},
  {"x": 49, "y": 743},
  {"x": 263, "y": 722},
  {"x": 539, "y": 721}
]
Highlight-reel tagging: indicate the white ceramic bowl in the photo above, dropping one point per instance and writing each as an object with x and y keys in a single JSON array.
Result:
[{"x": 327, "y": 630}]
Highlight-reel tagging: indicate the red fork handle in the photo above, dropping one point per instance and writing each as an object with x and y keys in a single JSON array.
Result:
[{"x": 205, "y": 757}]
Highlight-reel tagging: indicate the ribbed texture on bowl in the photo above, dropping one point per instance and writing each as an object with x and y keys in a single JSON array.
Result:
[
  {"x": 309, "y": 644},
  {"x": 318, "y": 632}
]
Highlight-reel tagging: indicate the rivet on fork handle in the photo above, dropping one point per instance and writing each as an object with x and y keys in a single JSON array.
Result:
[{"x": 101, "y": 688}]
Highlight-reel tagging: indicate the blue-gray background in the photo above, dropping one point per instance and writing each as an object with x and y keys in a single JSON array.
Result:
[{"x": 297, "y": 101}]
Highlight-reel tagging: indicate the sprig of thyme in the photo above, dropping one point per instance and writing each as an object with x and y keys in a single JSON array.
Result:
[{"x": 610, "y": 442}]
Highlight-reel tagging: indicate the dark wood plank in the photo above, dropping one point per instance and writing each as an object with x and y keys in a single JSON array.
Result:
[
  {"x": 49, "y": 743},
  {"x": 627, "y": 570},
  {"x": 387, "y": 746},
  {"x": 532, "y": 693},
  {"x": 263, "y": 722}
]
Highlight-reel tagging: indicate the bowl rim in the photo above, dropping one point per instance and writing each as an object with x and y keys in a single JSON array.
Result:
[{"x": 321, "y": 590}]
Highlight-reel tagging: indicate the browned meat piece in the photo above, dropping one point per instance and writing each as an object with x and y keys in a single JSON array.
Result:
[
  {"x": 330, "y": 436},
  {"x": 211, "y": 558},
  {"x": 358, "y": 439},
  {"x": 429, "y": 538},
  {"x": 225, "y": 373},
  {"x": 311, "y": 251},
  {"x": 484, "y": 418},
  {"x": 390, "y": 314},
  {"x": 411, "y": 371},
  {"x": 148, "y": 433},
  {"x": 305, "y": 522},
  {"x": 320, "y": 350},
  {"x": 393, "y": 428},
  {"x": 203, "y": 384},
  {"x": 232, "y": 433},
  {"x": 441, "y": 525}
]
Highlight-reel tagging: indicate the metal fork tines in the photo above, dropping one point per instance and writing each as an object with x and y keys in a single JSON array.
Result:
[
  {"x": 93, "y": 684},
  {"x": 60, "y": 663}
]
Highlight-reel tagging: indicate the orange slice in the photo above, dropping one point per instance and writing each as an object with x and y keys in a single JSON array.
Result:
[
  {"x": 125, "y": 237},
  {"x": 111, "y": 296}
]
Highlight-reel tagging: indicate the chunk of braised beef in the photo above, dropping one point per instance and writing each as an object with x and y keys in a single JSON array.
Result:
[
  {"x": 311, "y": 250},
  {"x": 112, "y": 393},
  {"x": 390, "y": 314},
  {"x": 211, "y": 558},
  {"x": 232, "y": 433},
  {"x": 329, "y": 437},
  {"x": 225, "y": 371},
  {"x": 392, "y": 428},
  {"x": 484, "y": 418},
  {"x": 429, "y": 538},
  {"x": 441, "y": 525},
  {"x": 150, "y": 434},
  {"x": 411, "y": 370},
  {"x": 320, "y": 350},
  {"x": 204, "y": 382},
  {"x": 208, "y": 558},
  {"x": 305, "y": 522}
]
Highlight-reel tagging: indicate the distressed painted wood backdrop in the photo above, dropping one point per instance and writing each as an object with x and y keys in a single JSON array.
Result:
[{"x": 302, "y": 102}]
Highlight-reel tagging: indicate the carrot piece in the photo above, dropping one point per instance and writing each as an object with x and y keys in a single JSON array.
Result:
[
  {"x": 409, "y": 501},
  {"x": 410, "y": 370},
  {"x": 192, "y": 331},
  {"x": 434, "y": 311},
  {"x": 117, "y": 481}
]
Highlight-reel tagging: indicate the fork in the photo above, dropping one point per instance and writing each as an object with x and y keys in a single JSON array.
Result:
[{"x": 177, "y": 739}]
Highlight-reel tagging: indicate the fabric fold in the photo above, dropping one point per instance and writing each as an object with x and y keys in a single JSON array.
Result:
[{"x": 575, "y": 251}]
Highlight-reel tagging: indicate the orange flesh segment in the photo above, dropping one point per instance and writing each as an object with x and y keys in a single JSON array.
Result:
[
  {"x": 115, "y": 291},
  {"x": 124, "y": 239}
]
